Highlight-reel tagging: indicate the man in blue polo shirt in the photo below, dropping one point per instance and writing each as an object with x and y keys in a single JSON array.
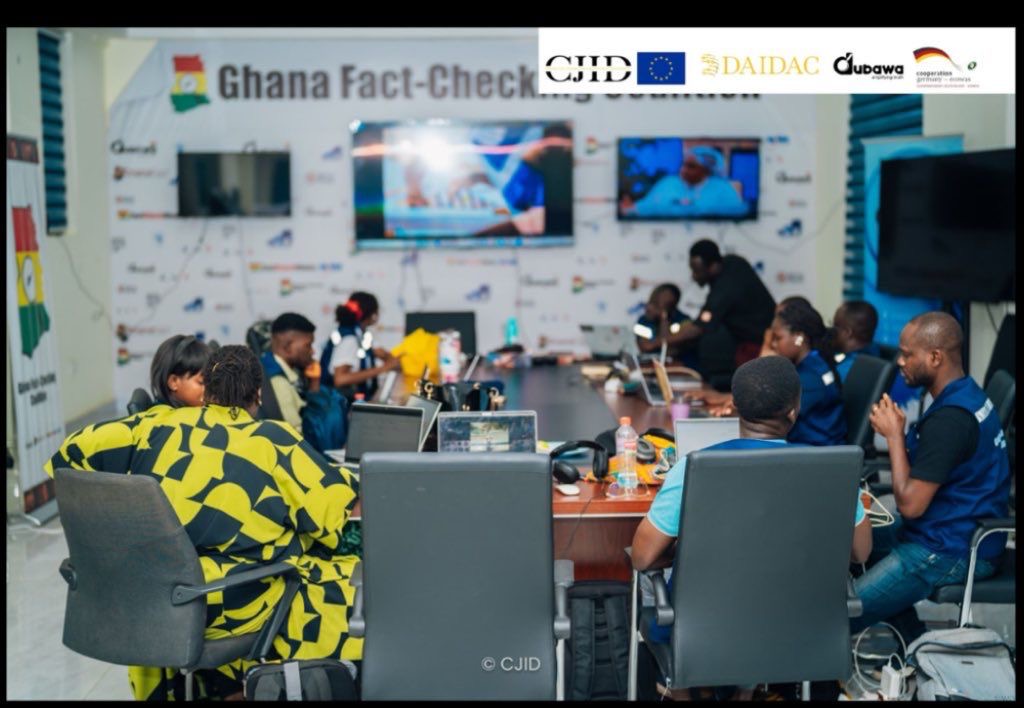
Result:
[
  {"x": 766, "y": 394},
  {"x": 950, "y": 471},
  {"x": 855, "y": 323}
]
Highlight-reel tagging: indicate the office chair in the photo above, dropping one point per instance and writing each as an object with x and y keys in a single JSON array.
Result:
[
  {"x": 136, "y": 591},
  {"x": 1000, "y": 589},
  {"x": 458, "y": 595},
  {"x": 1002, "y": 391},
  {"x": 761, "y": 595},
  {"x": 869, "y": 378},
  {"x": 140, "y": 401}
]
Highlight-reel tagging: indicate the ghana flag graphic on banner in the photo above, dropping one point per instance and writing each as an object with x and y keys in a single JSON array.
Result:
[
  {"x": 31, "y": 310},
  {"x": 189, "y": 83}
]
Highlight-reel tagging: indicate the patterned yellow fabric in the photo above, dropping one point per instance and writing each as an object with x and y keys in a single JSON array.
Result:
[{"x": 248, "y": 493}]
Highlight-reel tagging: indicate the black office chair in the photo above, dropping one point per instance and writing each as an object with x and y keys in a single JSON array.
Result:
[
  {"x": 1002, "y": 391},
  {"x": 140, "y": 401},
  {"x": 762, "y": 594},
  {"x": 869, "y": 378},
  {"x": 888, "y": 353},
  {"x": 999, "y": 589},
  {"x": 136, "y": 591},
  {"x": 458, "y": 594},
  {"x": 1004, "y": 352}
]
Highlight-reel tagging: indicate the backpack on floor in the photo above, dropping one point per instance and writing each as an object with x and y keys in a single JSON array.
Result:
[
  {"x": 597, "y": 653},
  {"x": 966, "y": 663}
]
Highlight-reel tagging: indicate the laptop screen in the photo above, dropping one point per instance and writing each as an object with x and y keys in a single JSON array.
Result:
[
  {"x": 502, "y": 431},
  {"x": 697, "y": 434},
  {"x": 377, "y": 428},
  {"x": 430, "y": 409}
]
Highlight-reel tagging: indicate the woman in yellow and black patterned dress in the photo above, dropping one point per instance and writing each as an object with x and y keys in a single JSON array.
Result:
[{"x": 248, "y": 493}]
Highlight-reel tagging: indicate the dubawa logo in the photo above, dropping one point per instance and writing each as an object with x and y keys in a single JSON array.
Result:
[
  {"x": 189, "y": 89},
  {"x": 846, "y": 66}
]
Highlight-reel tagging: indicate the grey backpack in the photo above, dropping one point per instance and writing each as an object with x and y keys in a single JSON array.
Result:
[{"x": 966, "y": 663}]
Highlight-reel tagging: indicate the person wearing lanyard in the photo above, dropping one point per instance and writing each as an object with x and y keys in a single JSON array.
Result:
[
  {"x": 800, "y": 335},
  {"x": 349, "y": 359},
  {"x": 948, "y": 472},
  {"x": 731, "y": 324}
]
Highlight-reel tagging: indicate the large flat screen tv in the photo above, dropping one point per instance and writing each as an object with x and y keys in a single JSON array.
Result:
[
  {"x": 946, "y": 226},
  {"x": 462, "y": 184},
  {"x": 704, "y": 179},
  {"x": 234, "y": 184}
]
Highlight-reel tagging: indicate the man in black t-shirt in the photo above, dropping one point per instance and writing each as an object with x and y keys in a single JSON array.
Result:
[{"x": 735, "y": 315}]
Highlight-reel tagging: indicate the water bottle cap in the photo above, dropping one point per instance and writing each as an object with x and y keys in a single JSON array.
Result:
[{"x": 625, "y": 420}]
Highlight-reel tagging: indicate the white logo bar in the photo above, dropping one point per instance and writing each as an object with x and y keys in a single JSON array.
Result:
[{"x": 776, "y": 60}]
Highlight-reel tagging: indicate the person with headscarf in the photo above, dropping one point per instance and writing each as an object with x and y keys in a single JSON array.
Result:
[{"x": 700, "y": 189}]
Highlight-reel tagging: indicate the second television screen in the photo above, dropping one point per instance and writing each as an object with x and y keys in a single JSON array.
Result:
[
  {"x": 442, "y": 183},
  {"x": 689, "y": 178}
]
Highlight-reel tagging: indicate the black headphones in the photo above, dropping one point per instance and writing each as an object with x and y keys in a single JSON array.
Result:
[{"x": 567, "y": 473}]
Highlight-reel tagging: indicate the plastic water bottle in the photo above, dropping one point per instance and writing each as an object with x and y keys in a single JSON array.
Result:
[
  {"x": 511, "y": 332},
  {"x": 625, "y": 451},
  {"x": 449, "y": 354}
]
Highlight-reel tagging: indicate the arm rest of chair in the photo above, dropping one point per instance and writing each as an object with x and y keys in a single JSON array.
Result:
[
  {"x": 183, "y": 594},
  {"x": 986, "y": 526},
  {"x": 356, "y": 622},
  {"x": 67, "y": 571},
  {"x": 664, "y": 613},
  {"x": 874, "y": 465},
  {"x": 565, "y": 573},
  {"x": 265, "y": 640},
  {"x": 854, "y": 605}
]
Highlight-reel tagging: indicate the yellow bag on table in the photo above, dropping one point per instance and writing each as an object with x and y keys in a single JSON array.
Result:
[
  {"x": 646, "y": 474},
  {"x": 418, "y": 350}
]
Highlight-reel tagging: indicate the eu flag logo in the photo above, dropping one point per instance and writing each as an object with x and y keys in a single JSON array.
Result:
[{"x": 661, "y": 68}]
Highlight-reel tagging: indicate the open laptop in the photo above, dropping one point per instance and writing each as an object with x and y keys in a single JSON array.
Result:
[
  {"x": 430, "y": 410},
  {"x": 649, "y": 385},
  {"x": 490, "y": 431},
  {"x": 377, "y": 428},
  {"x": 607, "y": 342},
  {"x": 383, "y": 394},
  {"x": 698, "y": 433}
]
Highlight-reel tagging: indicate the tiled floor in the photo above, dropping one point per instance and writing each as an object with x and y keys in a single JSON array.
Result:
[{"x": 40, "y": 667}]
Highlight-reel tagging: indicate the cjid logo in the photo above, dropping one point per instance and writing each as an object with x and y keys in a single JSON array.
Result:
[{"x": 511, "y": 664}]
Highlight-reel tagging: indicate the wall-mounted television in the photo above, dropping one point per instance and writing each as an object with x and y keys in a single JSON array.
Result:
[
  {"x": 234, "y": 184},
  {"x": 439, "y": 183},
  {"x": 688, "y": 178},
  {"x": 947, "y": 226}
]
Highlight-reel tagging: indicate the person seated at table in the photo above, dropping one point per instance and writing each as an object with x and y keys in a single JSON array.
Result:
[
  {"x": 176, "y": 374},
  {"x": 661, "y": 313},
  {"x": 767, "y": 395},
  {"x": 854, "y": 323},
  {"x": 249, "y": 492}
]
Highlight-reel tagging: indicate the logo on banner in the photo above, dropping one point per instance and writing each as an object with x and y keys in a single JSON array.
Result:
[
  {"x": 481, "y": 294},
  {"x": 793, "y": 228},
  {"x": 531, "y": 281},
  {"x": 282, "y": 240},
  {"x": 333, "y": 154},
  {"x": 926, "y": 53},
  {"x": 846, "y": 66},
  {"x": 189, "y": 90},
  {"x": 786, "y": 178},
  {"x": 593, "y": 145},
  {"x": 655, "y": 68},
  {"x": 604, "y": 68},
  {"x": 217, "y": 274},
  {"x": 32, "y": 316},
  {"x": 122, "y": 172},
  {"x": 761, "y": 65},
  {"x": 789, "y": 277},
  {"x": 940, "y": 77},
  {"x": 118, "y": 147},
  {"x": 637, "y": 283},
  {"x": 194, "y": 306},
  {"x": 579, "y": 284}
]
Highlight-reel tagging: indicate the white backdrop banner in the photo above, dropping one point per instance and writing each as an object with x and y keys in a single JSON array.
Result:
[
  {"x": 39, "y": 420},
  {"x": 215, "y": 276}
]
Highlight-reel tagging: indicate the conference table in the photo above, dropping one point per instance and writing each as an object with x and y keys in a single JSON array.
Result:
[{"x": 591, "y": 529}]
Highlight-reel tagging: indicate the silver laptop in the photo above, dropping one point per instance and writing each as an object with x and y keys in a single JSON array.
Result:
[
  {"x": 608, "y": 341},
  {"x": 387, "y": 386},
  {"x": 648, "y": 382},
  {"x": 492, "y": 431},
  {"x": 377, "y": 428},
  {"x": 698, "y": 433},
  {"x": 430, "y": 410}
]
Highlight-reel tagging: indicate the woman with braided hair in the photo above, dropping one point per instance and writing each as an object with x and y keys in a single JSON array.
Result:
[{"x": 248, "y": 492}]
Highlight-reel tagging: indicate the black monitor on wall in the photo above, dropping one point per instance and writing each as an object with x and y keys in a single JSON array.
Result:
[
  {"x": 463, "y": 322},
  {"x": 946, "y": 227}
]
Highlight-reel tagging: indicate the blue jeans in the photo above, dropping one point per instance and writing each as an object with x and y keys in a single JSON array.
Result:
[{"x": 904, "y": 574}]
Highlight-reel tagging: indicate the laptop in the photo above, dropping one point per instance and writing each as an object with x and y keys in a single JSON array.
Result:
[
  {"x": 430, "y": 410},
  {"x": 649, "y": 385},
  {"x": 669, "y": 384},
  {"x": 607, "y": 342},
  {"x": 383, "y": 394},
  {"x": 373, "y": 427},
  {"x": 491, "y": 431},
  {"x": 698, "y": 433}
]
